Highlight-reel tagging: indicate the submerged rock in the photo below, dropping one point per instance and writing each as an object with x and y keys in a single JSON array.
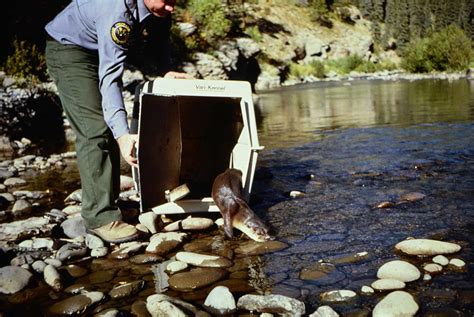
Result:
[
  {"x": 126, "y": 289},
  {"x": 196, "y": 278},
  {"x": 76, "y": 304},
  {"x": 427, "y": 247},
  {"x": 396, "y": 304},
  {"x": 257, "y": 248},
  {"x": 338, "y": 296},
  {"x": 284, "y": 306},
  {"x": 399, "y": 270},
  {"x": 203, "y": 260}
]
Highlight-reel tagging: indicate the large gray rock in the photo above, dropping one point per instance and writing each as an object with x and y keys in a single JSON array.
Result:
[
  {"x": 13, "y": 279},
  {"x": 285, "y": 306},
  {"x": 22, "y": 207},
  {"x": 74, "y": 227}
]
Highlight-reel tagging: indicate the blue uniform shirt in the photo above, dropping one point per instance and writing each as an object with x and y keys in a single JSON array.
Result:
[{"x": 106, "y": 26}]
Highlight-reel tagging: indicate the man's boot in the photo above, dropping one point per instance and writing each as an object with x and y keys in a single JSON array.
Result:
[{"x": 116, "y": 232}]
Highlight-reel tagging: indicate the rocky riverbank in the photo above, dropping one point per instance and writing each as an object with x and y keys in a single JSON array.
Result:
[{"x": 51, "y": 263}]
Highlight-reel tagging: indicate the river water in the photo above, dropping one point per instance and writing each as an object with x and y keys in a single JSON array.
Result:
[{"x": 348, "y": 146}]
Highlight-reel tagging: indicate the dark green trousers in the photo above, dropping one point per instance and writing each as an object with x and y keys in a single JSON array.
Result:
[{"x": 75, "y": 71}]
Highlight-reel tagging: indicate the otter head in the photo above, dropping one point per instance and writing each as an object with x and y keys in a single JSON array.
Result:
[{"x": 256, "y": 229}]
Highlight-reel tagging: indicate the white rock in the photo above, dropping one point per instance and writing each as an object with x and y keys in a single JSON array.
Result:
[
  {"x": 427, "y": 247},
  {"x": 387, "y": 284},
  {"x": 191, "y": 223},
  {"x": 283, "y": 305},
  {"x": 38, "y": 266},
  {"x": 203, "y": 260},
  {"x": 337, "y": 296},
  {"x": 99, "y": 252},
  {"x": 324, "y": 311},
  {"x": 72, "y": 210},
  {"x": 457, "y": 263},
  {"x": 220, "y": 301},
  {"x": 396, "y": 304},
  {"x": 296, "y": 194},
  {"x": 163, "y": 237},
  {"x": 161, "y": 305},
  {"x": 399, "y": 270},
  {"x": 52, "y": 277},
  {"x": 219, "y": 222},
  {"x": 426, "y": 277},
  {"x": 432, "y": 268},
  {"x": 151, "y": 221},
  {"x": 176, "y": 266},
  {"x": 53, "y": 262},
  {"x": 94, "y": 242},
  {"x": 367, "y": 290},
  {"x": 441, "y": 260}
]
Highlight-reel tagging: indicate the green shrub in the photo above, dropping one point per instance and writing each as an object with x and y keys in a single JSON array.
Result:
[
  {"x": 210, "y": 17},
  {"x": 314, "y": 68},
  {"x": 26, "y": 62},
  {"x": 449, "y": 49},
  {"x": 254, "y": 33},
  {"x": 346, "y": 64}
]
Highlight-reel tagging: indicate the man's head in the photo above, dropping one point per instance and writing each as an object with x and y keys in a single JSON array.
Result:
[{"x": 160, "y": 8}]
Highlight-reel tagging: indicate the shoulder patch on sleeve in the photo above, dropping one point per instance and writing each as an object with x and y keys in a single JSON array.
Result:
[{"x": 120, "y": 33}]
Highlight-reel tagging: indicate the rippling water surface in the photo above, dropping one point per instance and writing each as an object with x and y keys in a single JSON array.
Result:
[{"x": 349, "y": 147}]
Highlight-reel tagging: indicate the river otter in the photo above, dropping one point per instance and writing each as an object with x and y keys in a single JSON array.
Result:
[{"x": 227, "y": 194}]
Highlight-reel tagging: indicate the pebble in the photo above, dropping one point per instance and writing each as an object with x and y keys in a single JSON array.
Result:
[
  {"x": 338, "y": 296},
  {"x": 164, "y": 309},
  {"x": 53, "y": 262},
  {"x": 126, "y": 250},
  {"x": 8, "y": 196},
  {"x": 74, "y": 227},
  {"x": 296, "y": 194},
  {"x": 427, "y": 277},
  {"x": 14, "y": 181},
  {"x": 76, "y": 270},
  {"x": 126, "y": 289},
  {"x": 76, "y": 304},
  {"x": 99, "y": 252},
  {"x": 457, "y": 263},
  {"x": 258, "y": 248},
  {"x": 203, "y": 260},
  {"x": 71, "y": 251},
  {"x": 190, "y": 223},
  {"x": 74, "y": 197},
  {"x": 414, "y": 196},
  {"x": 220, "y": 301},
  {"x": 399, "y": 270},
  {"x": 151, "y": 221},
  {"x": 22, "y": 259},
  {"x": 38, "y": 266},
  {"x": 196, "y": 278},
  {"x": 145, "y": 258},
  {"x": 367, "y": 290},
  {"x": 385, "y": 204},
  {"x": 152, "y": 301},
  {"x": 286, "y": 306},
  {"x": 139, "y": 309},
  {"x": 387, "y": 284},
  {"x": 324, "y": 311},
  {"x": 427, "y": 247},
  {"x": 94, "y": 242},
  {"x": 38, "y": 243},
  {"x": 432, "y": 268},
  {"x": 72, "y": 210},
  {"x": 52, "y": 277},
  {"x": 164, "y": 242},
  {"x": 441, "y": 260},
  {"x": 176, "y": 266},
  {"x": 21, "y": 207},
  {"x": 13, "y": 279},
  {"x": 395, "y": 304}
]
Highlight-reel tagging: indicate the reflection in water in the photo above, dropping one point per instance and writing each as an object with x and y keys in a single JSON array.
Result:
[{"x": 291, "y": 116}]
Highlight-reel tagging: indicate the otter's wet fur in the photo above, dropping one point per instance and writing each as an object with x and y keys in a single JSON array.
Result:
[{"x": 227, "y": 195}]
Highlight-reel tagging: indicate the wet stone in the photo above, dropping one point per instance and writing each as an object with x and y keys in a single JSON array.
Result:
[
  {"x": 76, "y": 270},
  {"x": 258, "y": 248},
  {"x": 322, "y": 273},
  {"x": 337, "y": 296},
  {"x": 139, "y": 309},
  {"x": 126, "y": 250},
  {"x": 427, "y": 247},
  {"x": 71, "y": 251},
  {"x": 387, "y": 284},
  {"x": 97, "y": 277},
  {"x": 211, "y": 244},
  {"x": 78, "y": 288},
  {"x": 145, "y": 258},
  {"x": 127, "y": 289},
  {"x": 176, "y": 266},
  {"x": 191, "y": 223},
  {"x": 203, "y": 260},
  {"x": 196, "y": 278},
  {"x": 220, "y": 301},
  {"x": 272, "y": 304},
  {"x": 76, "y": 304},
  {"x": 163, "y": 243}
]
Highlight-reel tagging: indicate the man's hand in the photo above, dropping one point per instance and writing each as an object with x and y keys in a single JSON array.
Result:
[
  {"x": 127, "y": 143},
  {"x": 177, "y": 75}
]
